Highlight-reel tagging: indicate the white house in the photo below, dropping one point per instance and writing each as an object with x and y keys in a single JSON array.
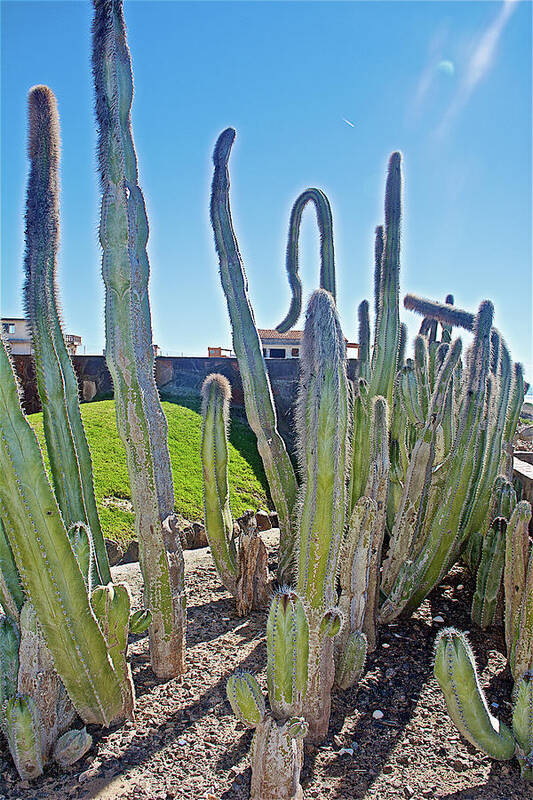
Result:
[
  {"x": 287, "y": 345},
  {"x": 17, "y": 333}
]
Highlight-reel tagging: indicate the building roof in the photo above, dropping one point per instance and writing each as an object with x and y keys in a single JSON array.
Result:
[
  {"x": 13, "y": 319},
  {"x": 270, "y": 333}
]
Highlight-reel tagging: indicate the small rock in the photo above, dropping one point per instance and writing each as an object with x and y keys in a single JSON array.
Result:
[
  {"x": 438, "y": 618},
  {"x": 348, "y": 751},
  {"x": 459, "y": 766},
  {"x": 89, "y": 773},
  {"x": 198, "y": 537},
  {"x": 387, "y": 769},
  {"x": 263, "y": 521},
  {"x": 460, "y": 586},
  {"x": 408, "y": 790},
  {"x": 132, "y": 553},
  {"x": 182, "y": 742},
  {"x": 114, "y": 552},
  {"x": 378, "y": 714},
  {"x": 495, "y": 705}
]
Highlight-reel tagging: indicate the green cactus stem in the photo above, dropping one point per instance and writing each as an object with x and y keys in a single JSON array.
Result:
[
  {"x": 245, "y": 698},
  {"x": 387, "y": 327},
  {"x": 456, "y": 674},
  {"x": 48, "y": 569},
  {"x": 489, "y": 574},
  {"x": 513, "y": 415},
  {"x": 378, "y": 256},
  {"x": 437, "y": 552},
  {"x": 22, "y": 733},
  {"x": 515, "y": 574},
  {"x": 129, "y": 351},
  {"x": 288, "y": 652},
  {"x": 327, "y": 256},
  {"x": 216, "y": 395},
  {"x": 258, "y": 399},
  {"x": 11, "y": 593},
  {"x": 523, "y": 724},
  {"x": 350, "y": 661},
  {"x": 445, "y": 313},
  {"x": 364, "y": 341},
  {"x": 9, "y": 660},
  {"x": 522, "y": 653},
  {"x": 322, "y": 441},
  {"x": 377, "y": 489},
  {"x": 68, "y": 451}
]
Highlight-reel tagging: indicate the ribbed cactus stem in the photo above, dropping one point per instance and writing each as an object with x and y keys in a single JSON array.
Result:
[
  {"x": 129, "y": 349},
  {"x": 216, "y": 395},
  {"x": 11, "y": 593},
  {"x": 48, "y": 570},
  {"x": 377, "y": 489},
  {"x": 322, "y": 430},
  {"x": 402, "y": 344},
  {"x": 387, "y": 328},
  {"x": 515, "y": 406},
  {"x": 515, "y": 575},
  {"x": 456, "y": 674},
  {"x": 258, "y": 399},
  {"x": 523, "y": 724},
  {"x": 327, "y": 256},
  {"x": 489, "y": 574},
  {"x": 68, "y": 451},
  {"x": 378, "y": 256},
  {"x": 437, "y": 551},
  {"x": 443, "y": 312},
  {"x": 22, "y": 733},
  {"x": 287, "y": 654},
  {"x": 364, "y": 340}
]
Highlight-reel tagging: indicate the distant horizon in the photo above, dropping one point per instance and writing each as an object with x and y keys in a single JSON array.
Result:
[{"x": 320, "y": 95}]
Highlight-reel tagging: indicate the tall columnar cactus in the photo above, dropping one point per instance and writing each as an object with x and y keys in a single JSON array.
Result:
[
  {"x": 49, "y": 572},
  {"x": 277, "y": 747},
  {"x": 322, "y": 424},
  {"x": 258, "y": 399},
  {"x": 241, "y": 560},
  {"x": 129, "y": 350},
  {"x": 69, "y": 455}
]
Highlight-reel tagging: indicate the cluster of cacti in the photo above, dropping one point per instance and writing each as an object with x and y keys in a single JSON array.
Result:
[
  {"x": 277, "y": 747},
  {"x": 420, "y": 443},
  {"x": 455, "y": 668},
  {"x": 238, "y": 552},
  {"x": 129, "y": 351}
]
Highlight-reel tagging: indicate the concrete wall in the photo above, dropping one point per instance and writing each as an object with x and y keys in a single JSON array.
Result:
[{"x": 179, "y": 377}]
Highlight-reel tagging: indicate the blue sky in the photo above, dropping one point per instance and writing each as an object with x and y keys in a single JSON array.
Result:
[{"x": 448, "y": 83}]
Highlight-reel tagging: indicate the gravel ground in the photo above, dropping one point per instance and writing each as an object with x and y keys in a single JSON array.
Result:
[{"x": 186, "y": 743}]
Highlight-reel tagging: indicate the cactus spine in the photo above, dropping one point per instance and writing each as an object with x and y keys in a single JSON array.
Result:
[
  {"x": 277, "y": 747},
  {"x": 66, "y": 442},
  {"x": 129, "y": 352},
  {"x": 241, "y": 561},
  {"x": 257, "y": 392}
]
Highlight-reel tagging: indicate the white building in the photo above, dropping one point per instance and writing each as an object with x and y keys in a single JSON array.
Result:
[
  {"x": 17, "y": 333},
  {"x": 287, "y": 345}
]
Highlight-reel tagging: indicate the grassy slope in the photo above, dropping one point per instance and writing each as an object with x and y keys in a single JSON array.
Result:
[{"x": 247, "y": 479}]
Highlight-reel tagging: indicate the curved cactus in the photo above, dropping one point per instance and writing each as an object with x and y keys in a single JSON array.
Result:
[
  {"x": 258, "y": 399},
  {"x": 327, "y": 257},
  {"x": 456, "y": 674},
  {"x": 129, "y": 350},
  {"x": 68, "y": 451}
]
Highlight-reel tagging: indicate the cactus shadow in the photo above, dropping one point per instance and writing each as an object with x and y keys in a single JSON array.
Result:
[
  {"x": 499, "y": 786},
  {"x": 395, "y": 676}
]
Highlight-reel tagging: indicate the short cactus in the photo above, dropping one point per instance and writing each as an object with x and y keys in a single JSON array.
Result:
[
  {"x": 277, "y": 747},
  {"x": 241, "y": 561}
]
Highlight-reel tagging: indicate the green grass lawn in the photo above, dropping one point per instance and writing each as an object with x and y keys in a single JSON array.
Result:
[{"x": 248, "y": 485}]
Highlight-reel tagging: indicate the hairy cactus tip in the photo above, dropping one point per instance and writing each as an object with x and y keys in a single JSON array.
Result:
[
  {"x": 43, "y": 124},
  {"x": 218, "y": 387},
  {"x": 223, "y": 147},
  {"x": 323, "y": 340},
  {"x": 393, "y": 189}
]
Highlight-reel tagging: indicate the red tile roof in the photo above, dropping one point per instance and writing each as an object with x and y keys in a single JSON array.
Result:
[{"x": 290, "y": 336}]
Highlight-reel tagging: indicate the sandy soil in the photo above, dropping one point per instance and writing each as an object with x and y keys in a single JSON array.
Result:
[{"x": 186, "y": 743}]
